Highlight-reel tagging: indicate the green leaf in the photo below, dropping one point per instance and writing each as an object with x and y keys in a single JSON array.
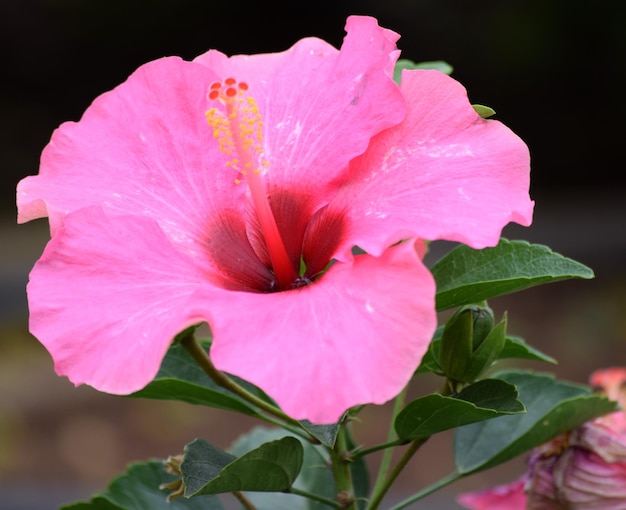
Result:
[
  {"x": 181, "y": 378},
  {"x": 404, "y": 63},
  {"x": 435, "y": 413},
  {"x": 272, "y": 467},
  {"x": 325, "y": 434},
  {"x": 552, "y": 406},
  {"x": 202, "y": 462},
  {"x": 96, "y": 503},
  {"x": 484, "y": 111},
  {"x": 516, "y": 348},
  {"x": 314, "y": 477},
  {"x": 466, "y": 276},
  {"x": 138, "y": 489}
]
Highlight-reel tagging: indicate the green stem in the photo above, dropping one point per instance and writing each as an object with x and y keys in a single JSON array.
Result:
[
  {"x": 200, "y": 355},
  {"x": 385, "y": 462},
  {"x": 298, "y": 431},
  {"x": 340, "y": 460},
  {"x": 384, "y": 483},
  {"x": 245, "y": 502},
  {"x": 357, "y": 454},
  {"x": 388, "y": 481},
  {"x": 315, "y": 497},
  {"x": 428, "y": 490}
]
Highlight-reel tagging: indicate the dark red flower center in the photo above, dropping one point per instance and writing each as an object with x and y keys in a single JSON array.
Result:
[{"x": 239, "y": 250}]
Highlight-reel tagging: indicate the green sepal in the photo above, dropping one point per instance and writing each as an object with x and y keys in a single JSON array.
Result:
[
  {"x": 483, "y": 321},
  {"x": 470, "y": 343},
  {"x": 456, "y": 345},
  {"x": 514, "y": 348},
  {"x": 487, "y": 352}
]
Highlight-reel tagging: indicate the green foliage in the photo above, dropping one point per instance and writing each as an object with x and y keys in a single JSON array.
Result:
[
  {"x": 466, "y": 276},
  {"x": 484, "y": 111},
  {"x": 267, "y": 463},
  {"x": 315, "y": 476},
  {"x": 272, "y": 467},
  {"x": 496, "y": 419},
  {"x": 138, "y": 489},
  {"x": 435, "y": 413},
  {"x": 553, "y": 407},
  {"x": 181, "y": 378},
  {"x": 514, "y": 348}
]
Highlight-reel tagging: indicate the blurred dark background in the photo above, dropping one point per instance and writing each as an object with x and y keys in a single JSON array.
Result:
[{"x": 553, "y": 71}]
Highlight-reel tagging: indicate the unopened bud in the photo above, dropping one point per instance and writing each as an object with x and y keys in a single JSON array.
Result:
[{"x": 470, "y": 343}]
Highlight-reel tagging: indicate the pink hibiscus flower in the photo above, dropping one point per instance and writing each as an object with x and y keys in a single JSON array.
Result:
[
  {"x": 584, "y": 469},
  {"x": 161, "y": 220}
]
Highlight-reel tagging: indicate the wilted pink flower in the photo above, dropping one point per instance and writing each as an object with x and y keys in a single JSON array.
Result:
[
  {"x": 161, "y": 220},
  {"x": 584, "y": 469}
]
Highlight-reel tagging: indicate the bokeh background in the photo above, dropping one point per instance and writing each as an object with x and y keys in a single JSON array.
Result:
[{"x": 553, "y": 71}]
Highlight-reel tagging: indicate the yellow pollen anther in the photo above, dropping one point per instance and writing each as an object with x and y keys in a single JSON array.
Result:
[{"x": 238, "y": 128}]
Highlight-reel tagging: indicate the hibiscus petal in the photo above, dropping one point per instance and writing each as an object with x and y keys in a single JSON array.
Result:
[
  {"x": 108, "y": 296},
  {"x": 320, "y": 106},
  {"x": 353, "y": 337},
  {"x": 443, "y": 173},
  {"x": 143, "y": 148}
]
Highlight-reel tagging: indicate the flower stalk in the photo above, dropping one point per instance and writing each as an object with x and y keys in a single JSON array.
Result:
[
  {"x": 385, "y": 462},
  {"x": 384, "y": 483},
  {"x": 340, "y": 465},
  {"x": 200, "y": 356},
  {"x": 315, "y": 497},
  {"x": 384, "y": 487},
  {"x": 245, "y": 502}
]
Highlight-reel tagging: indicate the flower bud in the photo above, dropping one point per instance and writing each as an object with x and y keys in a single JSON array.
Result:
[
  {"x": 470, "y": 343},
  {"x": 482, "y": 320}
]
